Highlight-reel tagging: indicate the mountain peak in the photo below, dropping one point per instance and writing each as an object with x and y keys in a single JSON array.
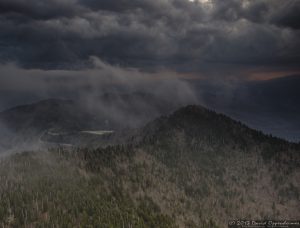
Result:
[
  {"x": 197, "y": 122},
  {"x": 191, "y": 110},
  {"x": 197, "y": 116}
]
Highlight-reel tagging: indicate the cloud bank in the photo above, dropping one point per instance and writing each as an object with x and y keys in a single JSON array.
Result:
[{"x": 91, "y": 83}]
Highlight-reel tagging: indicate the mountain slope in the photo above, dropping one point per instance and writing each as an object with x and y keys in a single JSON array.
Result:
[
  {"x": 193, "y": 168},
  {"x": 231, "y": 170}
]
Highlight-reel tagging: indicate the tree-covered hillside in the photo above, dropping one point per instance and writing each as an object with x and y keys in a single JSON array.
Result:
[{"x": 194, "y": 168}]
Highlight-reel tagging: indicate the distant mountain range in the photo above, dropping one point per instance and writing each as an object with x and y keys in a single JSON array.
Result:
[{"x": 112, "y": 112}]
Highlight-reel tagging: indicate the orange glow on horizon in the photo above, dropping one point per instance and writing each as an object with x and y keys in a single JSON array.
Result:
[{"x": 268, "y": 75}]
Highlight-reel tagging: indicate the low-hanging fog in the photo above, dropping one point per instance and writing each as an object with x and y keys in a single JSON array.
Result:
[{"x": 225, "y": 55}]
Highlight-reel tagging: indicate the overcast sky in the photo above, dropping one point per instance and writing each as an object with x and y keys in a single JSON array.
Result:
[
  {"x": 50, "y": 46},
  {"x": 177, "y": 34}
]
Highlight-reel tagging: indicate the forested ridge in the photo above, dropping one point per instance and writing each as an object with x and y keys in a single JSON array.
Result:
[{"x": 193, "y": 168}]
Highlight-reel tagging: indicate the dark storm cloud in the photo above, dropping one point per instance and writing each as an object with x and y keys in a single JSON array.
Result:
[
  {"x": 43, "y": 9},
  {"x": 288, "y": 16},
  {"x": 121, "y": 5},
  {"x": 168, "y": 33}
]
